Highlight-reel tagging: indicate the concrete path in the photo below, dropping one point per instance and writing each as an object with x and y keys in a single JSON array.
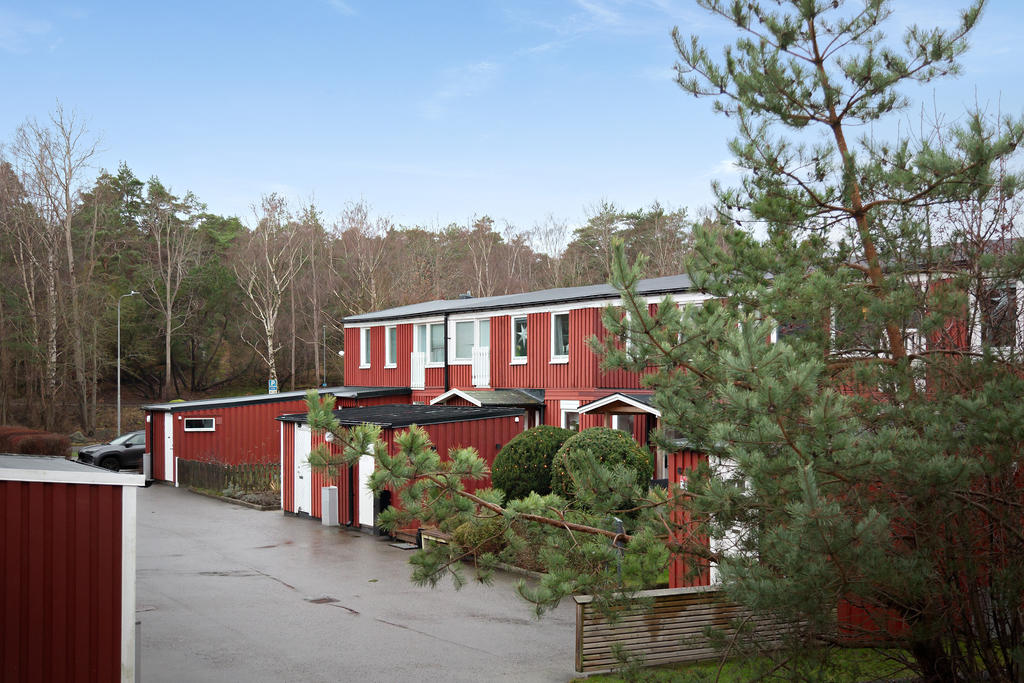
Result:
[{"x": 226, "y": 593}]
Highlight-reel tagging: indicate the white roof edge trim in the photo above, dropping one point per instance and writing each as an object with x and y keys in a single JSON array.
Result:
[
  {"x": 62, "y": 477},
  {"x": 455, "y": 392},
  {"x": 622, "y": 398}
]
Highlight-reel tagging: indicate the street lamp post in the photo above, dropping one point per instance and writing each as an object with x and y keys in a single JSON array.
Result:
[{"x": 131, "y": 293}]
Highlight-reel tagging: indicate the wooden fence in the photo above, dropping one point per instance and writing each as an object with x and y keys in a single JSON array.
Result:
[
  {"x": 215, "y": 476},
  {"x": 670, "y": 625}
]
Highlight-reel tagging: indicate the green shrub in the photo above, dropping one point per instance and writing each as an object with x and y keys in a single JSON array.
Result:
[
  {"x": 524, "y": 464},
  {"x": 609, "y": 447},
  {"x": 479, "y": 536}
]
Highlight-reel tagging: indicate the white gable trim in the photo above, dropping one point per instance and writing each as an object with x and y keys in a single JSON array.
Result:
[
  {"x": 619, "y": 398},
  {"x": 455, "y": 393}
]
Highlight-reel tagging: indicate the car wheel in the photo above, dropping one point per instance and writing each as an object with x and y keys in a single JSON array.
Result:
[{"x": 110, "y": 464}]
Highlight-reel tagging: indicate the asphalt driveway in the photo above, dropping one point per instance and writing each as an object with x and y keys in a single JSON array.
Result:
[{"x": 226, "y": 593}]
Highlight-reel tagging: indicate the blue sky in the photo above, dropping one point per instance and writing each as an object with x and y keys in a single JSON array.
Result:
[{"x": 432, "y": 112}]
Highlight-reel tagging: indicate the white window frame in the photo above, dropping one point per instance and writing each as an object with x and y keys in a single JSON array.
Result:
[
  {"x": 514, "y": 359},
  {"x": 211, "y": 420},
  {"x": 416, "y": 346},
  {"x": 566, "y": 407},
  {"x": 391, "y": 346},
  {"x": 364, "y": 347},
  {"x": 453, "y": 357},
  {"x": 555, "y": 357}
]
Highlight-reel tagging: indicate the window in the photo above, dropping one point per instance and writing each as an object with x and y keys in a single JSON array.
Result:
[
  {"x": 624, "y": 422},
  {"x": 465, "y": 333},
  {"x": 519, "y": 339},
  {"x": 559, "y": 337},
  {"x": 199, "y": 424},
  {"x": 430, "y": 341},
  {"x": 391, "y": 347},
  {"x": 999, "y": 316},
  {"x": 470, "y": 334},
  {"x": 570, "y": 415},
  {"x": 364, "y": 347}
]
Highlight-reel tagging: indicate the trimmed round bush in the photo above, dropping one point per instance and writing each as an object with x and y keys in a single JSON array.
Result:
[
  {"x": 609, "y": 447},
  {"x": 524, "y": 464}
]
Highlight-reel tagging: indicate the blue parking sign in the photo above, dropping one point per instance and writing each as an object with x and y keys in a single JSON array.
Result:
[{"x": 272, "y": 386}]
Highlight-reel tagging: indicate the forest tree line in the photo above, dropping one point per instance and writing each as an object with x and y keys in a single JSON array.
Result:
[{"x": 224, "y": 303}]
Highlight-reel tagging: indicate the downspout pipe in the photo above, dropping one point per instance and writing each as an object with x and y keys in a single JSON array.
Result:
[{"x": 446, "y": 387}]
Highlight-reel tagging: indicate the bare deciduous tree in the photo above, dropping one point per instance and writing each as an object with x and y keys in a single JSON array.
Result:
[
  {"x": 269, "y": 260},
  {"x": 171, "y": 225}
]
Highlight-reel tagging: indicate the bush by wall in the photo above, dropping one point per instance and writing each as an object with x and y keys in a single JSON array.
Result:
[
  {"x": 608, "y": 447},
  {"x": 21, "y": 440},
  {"x": 524, "y": 464}
]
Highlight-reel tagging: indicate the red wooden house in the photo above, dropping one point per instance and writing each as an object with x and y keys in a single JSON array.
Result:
[{"x": 524, "y": 350}]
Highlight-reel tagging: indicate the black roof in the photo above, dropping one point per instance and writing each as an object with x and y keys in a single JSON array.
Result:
[
  {"x": 651, "y": 286},
  {"x": 341, "y": 392},
  {"x": 405, "y": 415}
]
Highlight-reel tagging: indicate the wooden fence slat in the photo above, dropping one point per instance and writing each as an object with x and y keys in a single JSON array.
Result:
[{"x": 669, "y": 627}]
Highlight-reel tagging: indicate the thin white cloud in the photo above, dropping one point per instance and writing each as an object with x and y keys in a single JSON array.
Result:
[
  {"x": 458, "y": 84},
  {"x": 341, "y": 7},
  {"x": 18, "y": 34},
  {"x": 725, "y": 167}
]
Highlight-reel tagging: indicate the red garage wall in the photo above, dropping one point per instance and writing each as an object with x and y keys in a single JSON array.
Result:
[
  {"x": 680, "y": 574},
  {"x": 60, "y": 582}
]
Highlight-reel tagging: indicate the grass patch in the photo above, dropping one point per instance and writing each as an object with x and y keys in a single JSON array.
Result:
[{"x": 841, "y": 665}]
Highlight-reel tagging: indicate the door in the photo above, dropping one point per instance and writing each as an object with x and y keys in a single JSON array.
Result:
[
  {"x": 169, "y": 473},
  {"x": 303, "y": 475}
]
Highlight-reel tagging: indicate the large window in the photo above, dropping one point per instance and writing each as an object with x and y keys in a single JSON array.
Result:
[
  {"x": 470, "y": 334},
  {"x": 519, "y": 339},
  {"x": 430, "y": 340},
  {"x": 559, "y": 337},
  {"x": 999, "y": 316},
  {"x": 391, "y": 347},
  {"x": 364, "y": 347}
]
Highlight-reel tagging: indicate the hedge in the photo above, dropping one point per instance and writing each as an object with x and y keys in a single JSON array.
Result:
[{"x": 524, "y": 464}]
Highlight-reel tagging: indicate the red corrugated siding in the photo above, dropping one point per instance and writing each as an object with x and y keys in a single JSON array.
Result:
[
  {"x": 341, "y": 481},
  {"x": 680, "y": 575},
  {"x": 60, "y": 558},
  {"x": 539, "y": 372}
]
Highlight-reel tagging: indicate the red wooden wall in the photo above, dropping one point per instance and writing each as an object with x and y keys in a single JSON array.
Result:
[
  {"x": 581, "y": 370},
  {"x": 60, "y": 582},
  {"x": 681, "y": 574}
]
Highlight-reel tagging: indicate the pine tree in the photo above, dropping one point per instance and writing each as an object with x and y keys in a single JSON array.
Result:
[{"x": 872, "y": 452}]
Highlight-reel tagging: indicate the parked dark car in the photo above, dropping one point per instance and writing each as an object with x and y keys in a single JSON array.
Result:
[{"x": 123, "y": 453}]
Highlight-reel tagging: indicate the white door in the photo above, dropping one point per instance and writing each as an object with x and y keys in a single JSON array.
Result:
[
  {"x": 303, "y": 477},
  {"x": 169, "y": 447}
]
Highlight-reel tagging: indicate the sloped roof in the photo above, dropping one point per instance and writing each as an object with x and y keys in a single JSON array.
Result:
[
  {"x": 652, "y": 286},
  {"x": 404, "y": 415},
  {"x": 340, "y": 392}
]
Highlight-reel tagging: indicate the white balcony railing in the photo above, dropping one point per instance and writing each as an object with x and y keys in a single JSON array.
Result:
[
  {"x": 482, "y": 366},
  {"x": 417, "y": 370}
]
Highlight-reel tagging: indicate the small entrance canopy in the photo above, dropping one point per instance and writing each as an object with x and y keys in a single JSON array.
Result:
[
  {"x": 513, "y": 398},
  {"x": 621, "y": 404}
]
